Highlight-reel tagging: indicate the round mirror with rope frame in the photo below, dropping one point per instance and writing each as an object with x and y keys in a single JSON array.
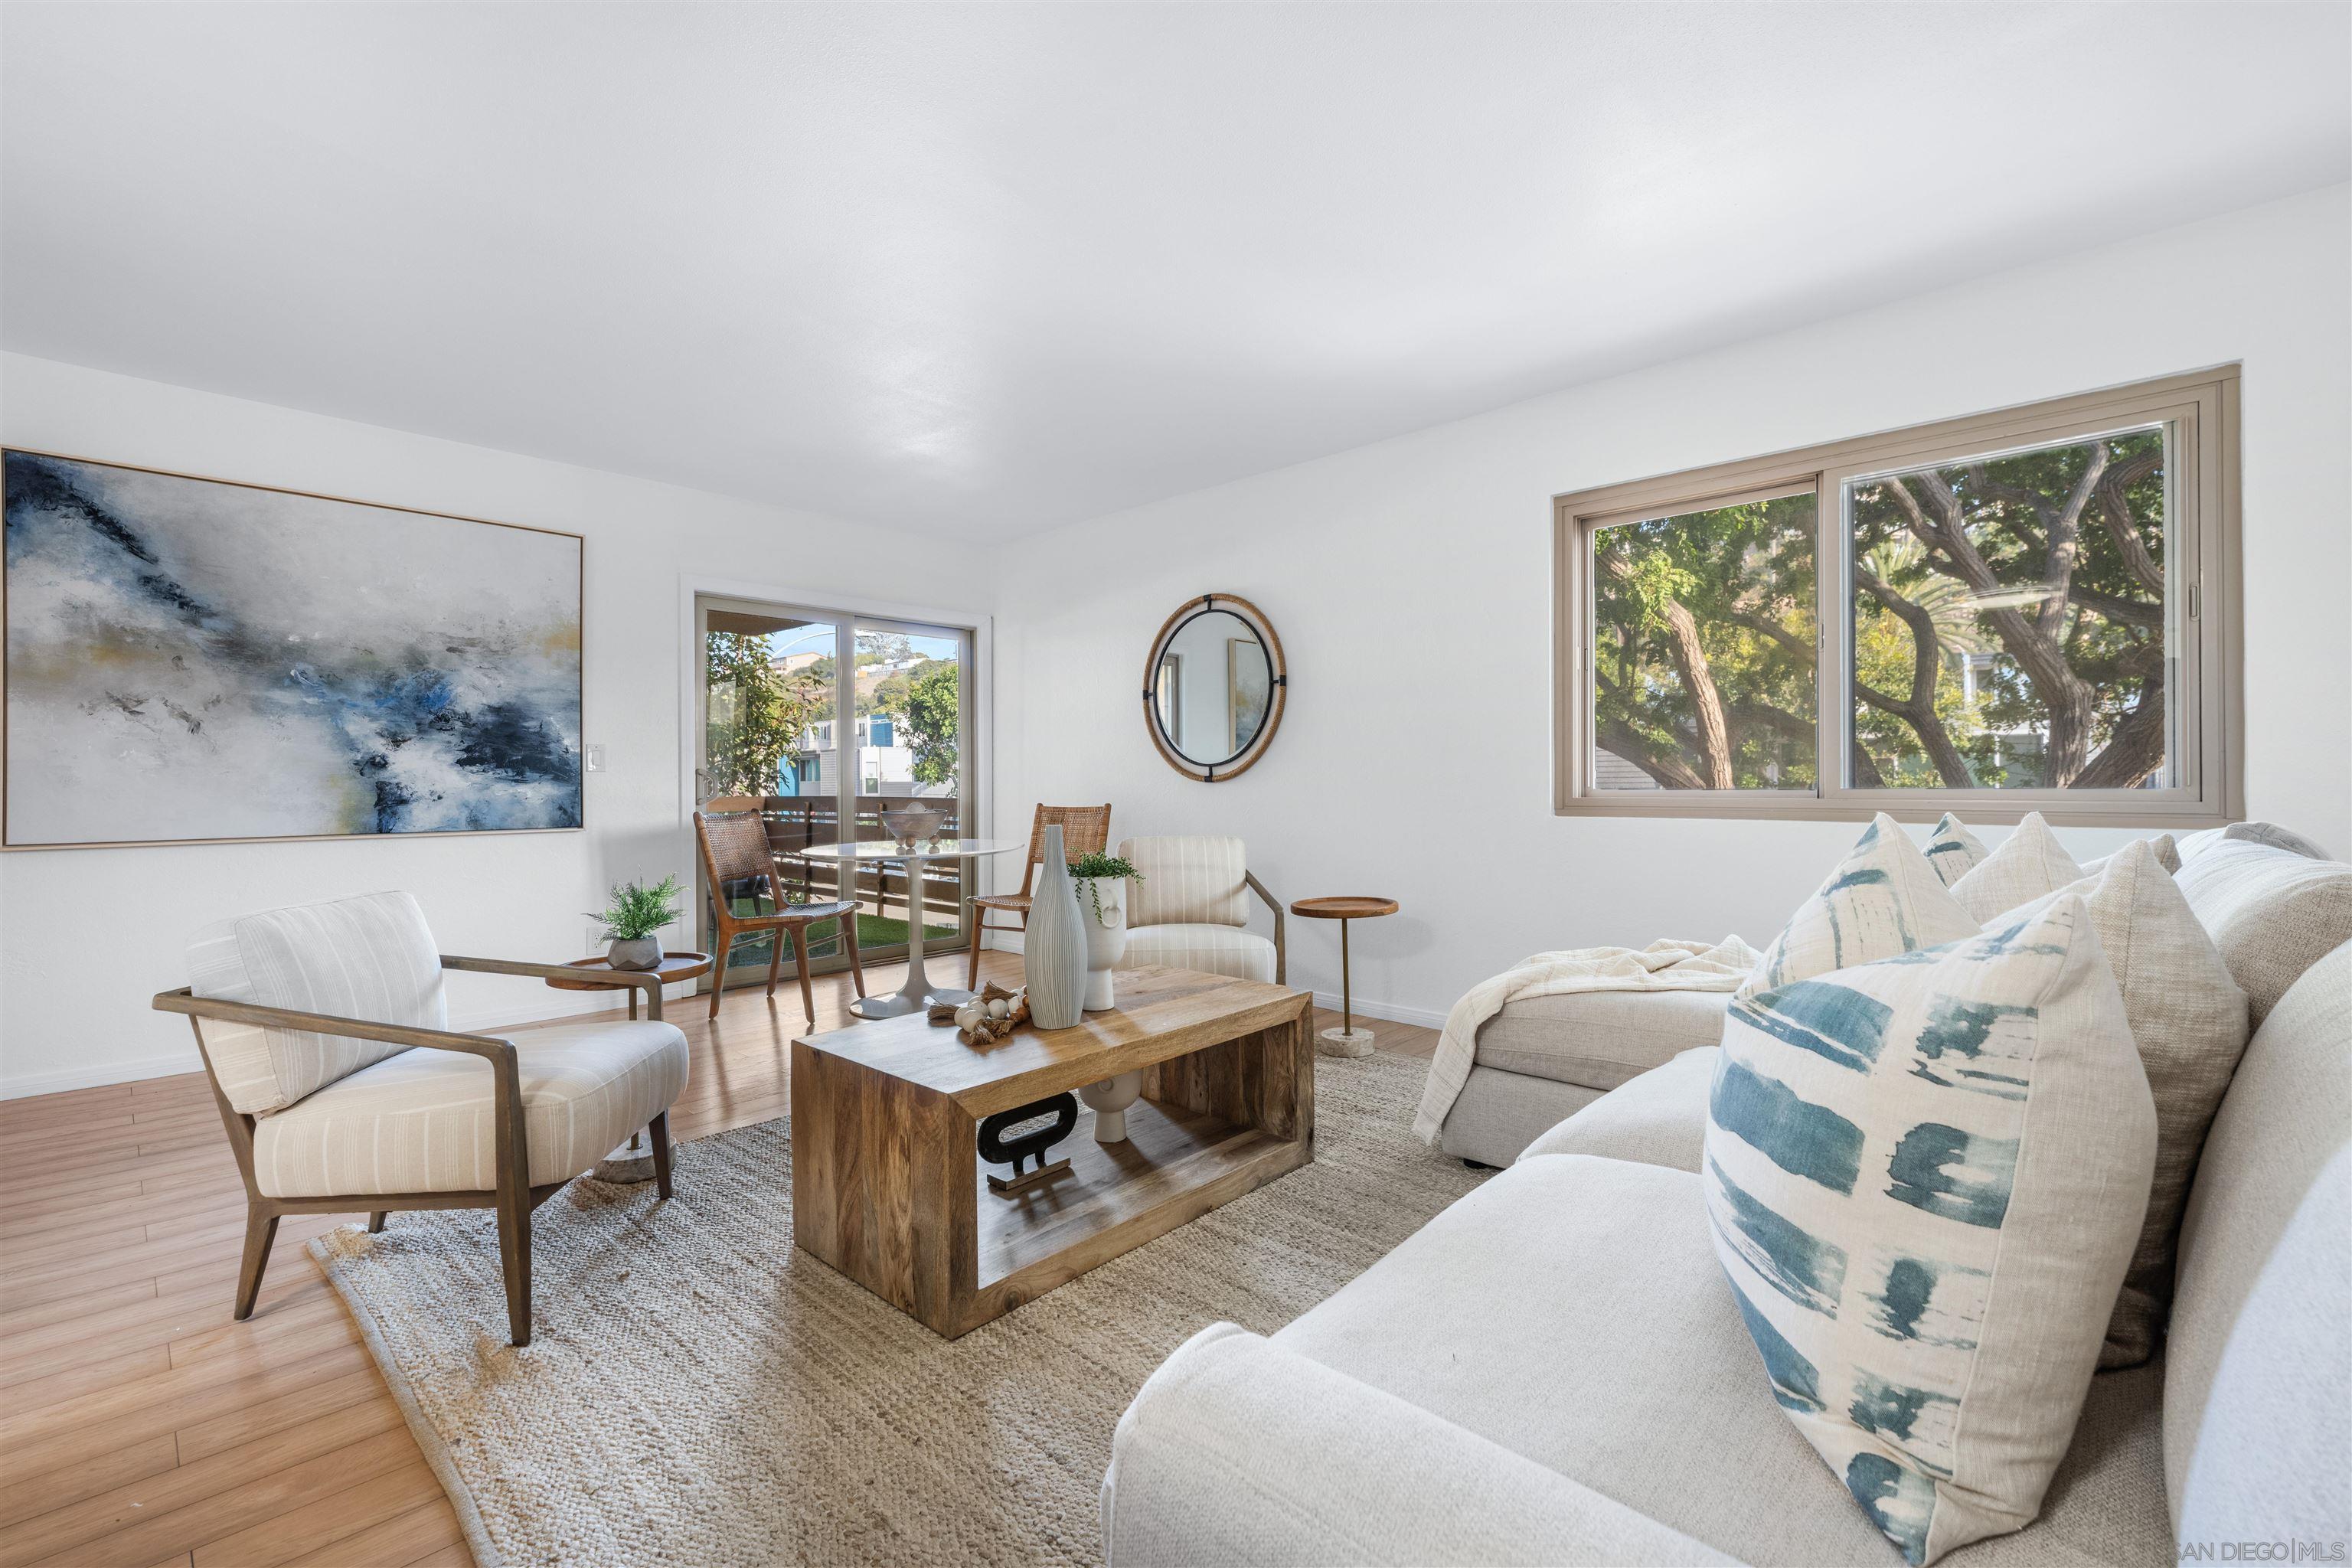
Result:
[{"x": 1214, "y": 687}]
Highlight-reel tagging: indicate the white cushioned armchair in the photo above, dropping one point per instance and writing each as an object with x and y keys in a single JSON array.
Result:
[
  {"x": 1190, "y": 909},
  {"x": 324, "y": 1029}
]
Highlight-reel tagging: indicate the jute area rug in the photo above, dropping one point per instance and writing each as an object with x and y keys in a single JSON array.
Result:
[{"x": 696, "y": 1392}]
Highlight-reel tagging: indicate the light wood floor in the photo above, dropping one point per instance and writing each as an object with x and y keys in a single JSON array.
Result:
[{"x": 140, "y": 1428}]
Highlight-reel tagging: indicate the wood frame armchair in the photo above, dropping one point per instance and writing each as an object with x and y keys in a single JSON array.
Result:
[
  {"x": 1281, "y": 943},
  {"x": 513, "y": 1198},
  {"x": 1190, "y": 909}
]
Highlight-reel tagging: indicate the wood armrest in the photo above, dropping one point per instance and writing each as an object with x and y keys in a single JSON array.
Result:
[
  {"x": 643, "y": 981},
  {"x": 488, "y": 1047},
  {"x": 1281, "y": 948},
  {"x": 640, "y": 980}
]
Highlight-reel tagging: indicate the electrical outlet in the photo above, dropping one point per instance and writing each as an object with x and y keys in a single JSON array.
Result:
[
  {"x": 595, "y": 759},
  {"x": 595, "y": 938}
]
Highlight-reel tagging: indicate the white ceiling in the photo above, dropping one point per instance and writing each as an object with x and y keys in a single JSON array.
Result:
[{"x": 992, "y": 267}]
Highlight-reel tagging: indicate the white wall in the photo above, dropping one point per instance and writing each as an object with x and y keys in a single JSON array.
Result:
[
  {"x": 88, "y": 935},
  {"x": 1410, "y": 584},
  {"x": 1388, "y": 571}
]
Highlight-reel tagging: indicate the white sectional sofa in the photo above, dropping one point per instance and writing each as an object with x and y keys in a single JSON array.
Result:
[
  {"x": 1553, "y": 1371},
  {"x": 1549, "y": 1057},
  {"x": 1545, "y": 1059}
]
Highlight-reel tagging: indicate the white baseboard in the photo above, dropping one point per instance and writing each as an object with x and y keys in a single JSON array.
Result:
[
  {"x": 25, "y": 1085},
  {"x": 1394, "y": 1013}
]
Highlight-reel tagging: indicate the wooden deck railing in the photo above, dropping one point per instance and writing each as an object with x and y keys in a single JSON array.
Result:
[{"x": 796, "y": 822}]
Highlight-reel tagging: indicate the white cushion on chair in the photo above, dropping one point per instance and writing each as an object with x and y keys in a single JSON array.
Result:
[
  {"x": 1187, "y": 881},
  {"x": 1215, "y": 949},
  {"x": 371, "y": 957},
  {"x": 422, "y": 1122}
]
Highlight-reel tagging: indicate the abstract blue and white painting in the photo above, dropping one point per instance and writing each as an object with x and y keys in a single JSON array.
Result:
[{"x": 191, "y": 659}]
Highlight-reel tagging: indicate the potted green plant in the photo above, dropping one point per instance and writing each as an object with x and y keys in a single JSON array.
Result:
[
  {"x": 1101, "y": 882},
  {"x": 633, "y": 916}
]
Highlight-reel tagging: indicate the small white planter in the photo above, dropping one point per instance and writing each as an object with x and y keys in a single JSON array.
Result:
[
  {"x": 1109, "y": 1100},
  {"x": 1102, "y": 913}
]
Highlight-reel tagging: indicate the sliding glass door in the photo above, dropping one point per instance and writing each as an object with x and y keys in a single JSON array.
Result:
[{"x": 818, "y": 718}]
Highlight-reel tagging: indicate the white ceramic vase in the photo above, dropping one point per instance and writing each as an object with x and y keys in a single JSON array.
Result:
[
  {"x": 1102, "y": 910},
  {"x": 1109, "y": 1100},
  {"x": 1054, "y": 947}
]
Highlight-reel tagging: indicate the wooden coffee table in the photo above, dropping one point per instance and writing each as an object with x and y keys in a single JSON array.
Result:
[{"x": 888, "y": 1185}]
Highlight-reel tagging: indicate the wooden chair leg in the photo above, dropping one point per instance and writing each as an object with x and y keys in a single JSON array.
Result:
[
  {"x": 800, "y": 967},
  {"x": 719, "y": 967},
  {"x": 657, "y": 1130},
  {"x": 849, "y": 945},
  {"x": 972, "y": 975},
  {"x": 375, "y": 1221},
  {"x": 513, "y": 1152},
  {"x": 776, "y": 958},
  {"x": 514, "y": 1258},
  {"x": 260, "y": 1234}
]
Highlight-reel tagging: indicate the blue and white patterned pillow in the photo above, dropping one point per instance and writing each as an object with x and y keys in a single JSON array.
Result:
[
  {"x": 1952, "y": 850},
  {"x": 1883, "y": 899},
  {"x": 1925, "y": 1177}
]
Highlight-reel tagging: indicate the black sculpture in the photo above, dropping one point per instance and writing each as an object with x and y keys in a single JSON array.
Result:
[{"x": 998, "y": 1150}]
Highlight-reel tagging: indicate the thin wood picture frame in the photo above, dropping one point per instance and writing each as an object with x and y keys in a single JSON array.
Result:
[{"x": 571, "y": 576}]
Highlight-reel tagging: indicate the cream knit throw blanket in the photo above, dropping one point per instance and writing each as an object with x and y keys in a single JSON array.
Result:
[{"x": 1665, "y": 965}]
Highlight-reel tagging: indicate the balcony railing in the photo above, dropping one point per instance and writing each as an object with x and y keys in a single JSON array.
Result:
[{"x": 795, "y": 822}]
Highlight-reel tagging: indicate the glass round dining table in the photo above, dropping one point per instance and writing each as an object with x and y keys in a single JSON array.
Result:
[{"x": 917, "y": 992}]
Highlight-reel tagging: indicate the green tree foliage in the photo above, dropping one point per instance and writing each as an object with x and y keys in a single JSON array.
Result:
[
  {"x": 1703, "y": 664},
  {"x": 2053, "y": 562},
  {"x": 2042, "y": 573},
  {"x": 934, "y": 701},
  {"x": 758, "y": 712}
]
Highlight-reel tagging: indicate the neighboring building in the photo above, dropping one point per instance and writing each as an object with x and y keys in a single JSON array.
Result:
[
  {"x": 2021, "y": 749},
  {"x": 1610, "y": 771},
  {"x": 885, "y": 765}
]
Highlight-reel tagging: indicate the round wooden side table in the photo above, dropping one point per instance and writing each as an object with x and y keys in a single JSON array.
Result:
[
  {"x": 1346, "y": 1040},
  {"x": 595, "y": 974},
  {"x": 633, "y": 1161}
]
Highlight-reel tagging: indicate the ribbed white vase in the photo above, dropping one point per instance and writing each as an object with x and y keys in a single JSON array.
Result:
[{"x": 1054, "y": 948}]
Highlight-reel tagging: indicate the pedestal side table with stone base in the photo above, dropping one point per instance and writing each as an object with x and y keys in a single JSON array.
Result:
[{"x": 1346, "y": 1040}]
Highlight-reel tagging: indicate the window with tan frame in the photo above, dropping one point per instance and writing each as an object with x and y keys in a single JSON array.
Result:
[{"x": 2029, "y": 610}]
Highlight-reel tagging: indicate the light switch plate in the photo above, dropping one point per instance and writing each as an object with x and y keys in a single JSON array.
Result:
[{"x": 595, "y": 759}]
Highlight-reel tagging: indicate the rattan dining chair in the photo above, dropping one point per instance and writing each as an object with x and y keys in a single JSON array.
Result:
[
  {"x": 735, "y": 849},
  {"x": 1086, "y": 830}
]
